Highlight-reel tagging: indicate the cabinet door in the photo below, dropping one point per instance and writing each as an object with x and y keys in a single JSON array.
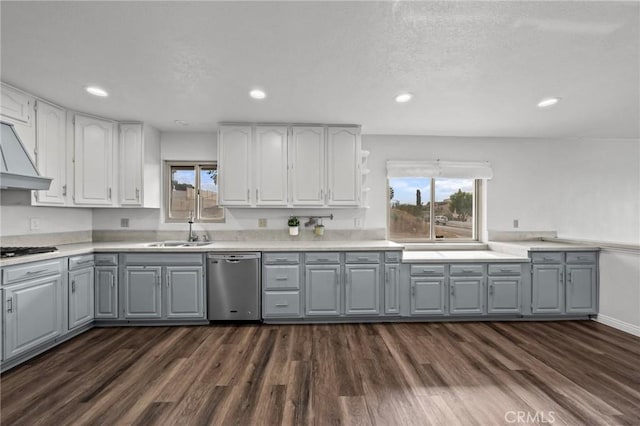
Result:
[
  {"x": 362, "y": 289},
  {"x": 392, "y": 289},
  {"x": 130, "y": 144},
  {"x": 106, "y": 292},
  {"x": 343, "y": 166},
  {"x": 323, "y": 290},
  {"x": 81, "y": 299},
  {"x": 271, "y": 167},
  {"x": 467, "y": 296},
  {"x": 234, "y": 165},
  {"x": 142, "y": 292},
  {"x": 185, "y": 292},
  {"x": 32, "y": 314},
  {"x": 428, "y": 296},
  {"x": 547, "y": 289},
  {"x": 581, "y": 289},
  {"x": 307, "y": 166},
  {"x": 504, "y": 295},
  {"x": 93, "y": 161},
  {"x": 50, "y": 152},
  {"x": 15, "y": 105}
]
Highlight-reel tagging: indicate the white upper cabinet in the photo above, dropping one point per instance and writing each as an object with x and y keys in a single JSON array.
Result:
[
  {"x": 16, "y": 105},
  {"x": 93, "y": 161},
  {"x": 271, "y": 166},
  {"x": 234, "y": 166},
  {"x": 130, "y": 146},
  {"x": 308, "y": 166},
  {"x": 343, "y": 166},
  {"x": 51, "y": 153}
]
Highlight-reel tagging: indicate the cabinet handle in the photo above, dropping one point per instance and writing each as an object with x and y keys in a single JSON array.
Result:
[
  {"x": 85, "y": 261},
  {"x": 467, "y": 271},
  {"x": 505, "y": 270},
  {"x": 413, "y": 290},
  {"x": 64, "y": 190},
  {"x": 281, "y": 259},
  {"x": 109, "y": 193},
  {"x": 158, "y": 280},
  {"x": 364, "y": 259},
  {"x": 569, "y": 276},
  {"x": 281, "y": 305},
  {"x": 329, "y": 194},
  {"x": 386, "y": 277},
  {"x": 453, "y": 291},
  {"x": 248, "y": 194},
  {"x": 39, "y": 271},
  {"x": 168, "y": 279},
  {"x": 321, "y": 195},
  {"x": 257, "y": 198},
  {"x": 112, "y": 281},
  {"x": 10, "y": 304},
  {"x": 323, "y": 260},
  {"x": 282, "y": 278},
  {"x": 137, "y": 194},
  {"x": 491, "y": 289},
  {"x": 73, "y": 286}
]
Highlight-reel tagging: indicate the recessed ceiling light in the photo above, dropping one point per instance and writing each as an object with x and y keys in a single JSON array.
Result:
[
  {"x": 97, "y": 91},
  {"x": 181, "y": 122},
  {"x": 547, "y": 102},
  {"x": 403, "y": 97},
  {"x": 257, "y": 94}
]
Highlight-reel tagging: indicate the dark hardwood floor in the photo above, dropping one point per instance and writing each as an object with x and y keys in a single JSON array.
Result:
[{"x": 577, "y": 373}]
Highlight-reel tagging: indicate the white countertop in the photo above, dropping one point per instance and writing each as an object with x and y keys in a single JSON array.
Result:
[
  {"x": 216, "y": 246},
  {"x": 460, "y": 256},
  {"x": 522, "y": 248}
]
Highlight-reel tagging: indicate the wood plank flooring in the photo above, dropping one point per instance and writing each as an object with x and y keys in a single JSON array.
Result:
[{"x": 575, "y": 373}]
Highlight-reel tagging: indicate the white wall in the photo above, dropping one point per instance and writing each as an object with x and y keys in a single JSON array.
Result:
[{"x": 16, "y": 215}]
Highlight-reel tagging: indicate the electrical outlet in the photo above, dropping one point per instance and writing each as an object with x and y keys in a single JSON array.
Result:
[
  {"x": 262, "y": 223},
  {"x": 34, "y": 224},
  {"x": 357, "y": 222},
  {"x": 515, "y": 223},
  {"x": 124, "y": 222}
]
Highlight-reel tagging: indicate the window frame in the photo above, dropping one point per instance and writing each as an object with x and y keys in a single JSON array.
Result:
[
  {"x": 197, "y": 165},
  {"x": 475, "y": 211}
]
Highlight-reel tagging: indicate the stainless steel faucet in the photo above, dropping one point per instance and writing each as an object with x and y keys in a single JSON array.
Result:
[{"x": 192, "y": 235}]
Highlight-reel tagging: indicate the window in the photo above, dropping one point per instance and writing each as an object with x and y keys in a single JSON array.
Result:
[
  {"x": 192, "y": 191},
  {"x": 430, "y": 209}
]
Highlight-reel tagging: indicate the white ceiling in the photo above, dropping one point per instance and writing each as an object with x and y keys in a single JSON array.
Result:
[{"x": 475, "y": 68}]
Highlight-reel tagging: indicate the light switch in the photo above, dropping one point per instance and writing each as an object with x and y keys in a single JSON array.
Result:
[
  {"x": 34, "y": 224},
  {"x": 262, "y": 223},
  {"x": 515, "y": 223}
]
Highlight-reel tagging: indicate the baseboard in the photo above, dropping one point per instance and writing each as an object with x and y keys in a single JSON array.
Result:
[{"x": 620, "y": 325}]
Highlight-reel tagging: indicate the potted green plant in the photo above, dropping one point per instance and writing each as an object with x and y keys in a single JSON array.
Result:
[{"x": 293, "y": 223}]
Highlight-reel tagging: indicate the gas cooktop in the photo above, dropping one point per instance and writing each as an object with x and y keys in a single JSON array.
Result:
[{"x": 23, "y": 251}]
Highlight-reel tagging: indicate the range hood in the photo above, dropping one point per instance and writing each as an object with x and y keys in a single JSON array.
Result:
[{"x": 16, "y": 168}]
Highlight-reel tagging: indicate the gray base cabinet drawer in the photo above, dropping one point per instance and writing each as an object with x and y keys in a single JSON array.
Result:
[
  {"x": 581, "y": 257},
  {"x": 466, "y": 270},
  {"x": 109, "y": 259},
  {"x": 505, "y": 269},
  {"x": 17, "y": 273},
  {"x": 77, "y": 262},
  {"x": 322, "y": 257},
  {"x": 281, "y": 304},
  {"x": 366, "y": 257},
  {"x": 547, "y": 257},
  {"x": 393, "y": 256},
  {"x": 281, "y": 258},
  {"x": 427, "y": 270},
  {"x": 281, "y": 277}
]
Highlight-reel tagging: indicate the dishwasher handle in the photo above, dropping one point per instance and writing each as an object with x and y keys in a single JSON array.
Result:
[{"x": 233, "y": 257}]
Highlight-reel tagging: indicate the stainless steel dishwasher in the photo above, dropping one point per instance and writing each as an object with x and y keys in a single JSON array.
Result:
[{"x": 233, "y": 282}]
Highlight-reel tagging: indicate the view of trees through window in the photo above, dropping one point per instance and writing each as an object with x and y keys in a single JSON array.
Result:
[
  {"x": 194, "y": 191},
  {"x": 411, "y": 202}
]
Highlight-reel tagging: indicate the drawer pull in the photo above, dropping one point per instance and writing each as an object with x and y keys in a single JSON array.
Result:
[
  {"x": 363, "y": 258},
  {"x": 323, "y": 259},
  {"x": 506, "y": 270},
  {"x": 39, "y": 271},
  {"x": 281, "y": 259},
  {"x": 548, "y": 259},
  {"x": 282, "y": 278},
  {"x": 467, "y": 271},
  {"x": 85, "y": 261},
  {"x": 281, "y": 305}
]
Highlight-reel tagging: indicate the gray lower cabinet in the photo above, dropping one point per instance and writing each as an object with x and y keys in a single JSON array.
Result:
[
  {"x": 392, "y": 289},
  {"x": 106, "y": 292},
  {"x": 428, "y": 296},
  {"x": 32, "y": 314},
  {"x": 185, "y": 291},
  {"x": 362, "y": 289},
  {"x": 142, "y": 292},
  {"x": 467, "y": 295},
  {"x": 81, "y": 297},
  {"x": 504, "y": 295},
  {"x": 547, "y": 289},
  {"x": 322, "y": 289},
  {"x": 581, "y": 289}
]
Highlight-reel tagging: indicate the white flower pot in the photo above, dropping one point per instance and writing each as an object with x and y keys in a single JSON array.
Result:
[{"x": 293, "y": 231}]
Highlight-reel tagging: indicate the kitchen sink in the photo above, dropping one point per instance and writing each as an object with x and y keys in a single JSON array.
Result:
[{"x": 179, "y": 244}]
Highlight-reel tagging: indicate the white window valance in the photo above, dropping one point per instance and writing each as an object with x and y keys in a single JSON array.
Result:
[{"x": 438, "y": 168}]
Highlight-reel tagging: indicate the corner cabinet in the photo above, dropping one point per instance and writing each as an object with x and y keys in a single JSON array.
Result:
[
  {"x": 93, "y": 161},
  {"x": 289, "y": 166}
]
